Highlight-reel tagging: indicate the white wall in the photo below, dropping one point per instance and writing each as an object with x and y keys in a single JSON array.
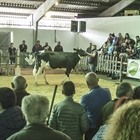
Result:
[
  {"x": 97, "y": 32},
  {"x": 99, "y": 28},
  {"x": 19, "y": 35},
  {"x": 67, "y": 38}
]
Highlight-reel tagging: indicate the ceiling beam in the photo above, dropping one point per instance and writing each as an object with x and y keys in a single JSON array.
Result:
[
  {"x": 116, "y": 8},
  {"x": 41, "y": 11}
]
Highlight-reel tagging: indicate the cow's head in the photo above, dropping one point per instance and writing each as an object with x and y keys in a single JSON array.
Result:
[{"x": 80, "y": 52}]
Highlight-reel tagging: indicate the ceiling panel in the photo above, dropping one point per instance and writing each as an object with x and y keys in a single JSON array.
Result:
[{"x": 77, "y": 8}]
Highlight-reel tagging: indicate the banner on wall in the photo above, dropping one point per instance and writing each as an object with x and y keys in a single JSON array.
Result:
[{"x": 133, "y": 68}]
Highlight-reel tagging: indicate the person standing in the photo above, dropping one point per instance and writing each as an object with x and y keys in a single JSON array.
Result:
[
  {"x": 107, "y": 110},
  {"x": 92, "y": 58},
  {"x": 68, "y": 116},
  {"x": 89, "y": 48},
  {"x": 37, "y": 47},
  {"x": 12, "y": 51},
  {"x": 46, "y": 47},
  {"x": 36, "y": 109},
  {"x": 58, "y": 47},
  {"x": 11, "y": 117},
  {"x": 19, "y": 86},
  {"x": 23, "y": 47},
  {"x": 93, "y": 102}
]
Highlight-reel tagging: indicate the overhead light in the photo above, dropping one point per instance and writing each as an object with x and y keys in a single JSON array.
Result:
[
  {"x": 48, "y": 15},
  {"x": 56, "y": 3}
]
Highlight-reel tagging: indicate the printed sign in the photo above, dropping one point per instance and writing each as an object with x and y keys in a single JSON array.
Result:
[
  {"x": 133, "y": 68},
  {"x": 30, "y": 60}
]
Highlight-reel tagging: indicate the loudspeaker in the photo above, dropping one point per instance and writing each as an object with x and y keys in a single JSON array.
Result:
[
  {"x": 74, "y": 26},
  {"x": 82, "y": 26}
]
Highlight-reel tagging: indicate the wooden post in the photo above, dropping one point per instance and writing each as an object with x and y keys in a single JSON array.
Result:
[
  {"x": 121, "y": 68},
  {"x": 7, "y": 63},
  {"x": 116, "y": 63},
  {"x": 0, "y": 59},
  {"x": 17, "y": 68},
  {"x": 16, "y": 59}
]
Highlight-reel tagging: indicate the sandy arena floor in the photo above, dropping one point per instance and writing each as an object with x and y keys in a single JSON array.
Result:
[{"x": 53, "y": 79}]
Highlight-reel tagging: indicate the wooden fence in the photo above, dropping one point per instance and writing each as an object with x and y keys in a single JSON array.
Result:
[{"x": 106, "y": 64}]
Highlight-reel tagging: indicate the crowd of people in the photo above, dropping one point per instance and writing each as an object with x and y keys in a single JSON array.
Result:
[
  {"x": 97, "y": 117},
  {"x": 115, "y": 46},
  {"x": 37, "y": 47},
  {"x": 119, "y": 45}
]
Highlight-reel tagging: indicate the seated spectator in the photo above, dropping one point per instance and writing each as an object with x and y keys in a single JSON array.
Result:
[
  {"x": 68, "y": 116},
  {"x": 11, "y": 117},
  {"x": 136, "y": 54},
  {"x": 120, "y": 40},
  {"x": 19, "y": 86},
  {"x": 114, "y": 39},
  {"x": 99, "y": 135},
  {"x": 124, "y": 51},
  {"x": 127, "y": 36},
  {"x": 130, "y": 41},
  {"x": 104, "y": 49},
  {"x": 136, "y": 92},
  {"x": 124, "y": 123},
  {"x": 137, "y": 40},
  {"x": 109, "y": 39},
  {"x": 108, "y": 108},
  {"x": 93, "y": 102},
  {"x": 36, "y": 109},
  {"x": 130, "y": 49},
  {"x": 110, "y": 49}
]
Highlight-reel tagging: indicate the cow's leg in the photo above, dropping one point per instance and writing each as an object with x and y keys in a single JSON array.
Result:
[
  {"x": 66, "y": 77},
  {"x": 36, "y": 76},
  {"x": 44, "y": 74}
]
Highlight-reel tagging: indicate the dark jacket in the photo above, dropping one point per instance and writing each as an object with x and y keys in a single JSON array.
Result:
[
  {"x": 93, "y": 60},
  {"x": 58, "y": 48},
  {"x": 12, "y": 51},
  {"x": 37, "y": 48},
  {"x": 20, "y": 93},
  {"x": 38, "y": 132},
  {"x": 11, "y": 121},
  {"x": 70, "y": 118},
  {"x": 23, "y": 48},
  {"x": 105, "y": 112},
  {"x": 47, "y": 48}
]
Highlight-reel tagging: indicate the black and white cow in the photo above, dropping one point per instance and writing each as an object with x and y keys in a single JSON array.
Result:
[{"x": 54, "y": 60}]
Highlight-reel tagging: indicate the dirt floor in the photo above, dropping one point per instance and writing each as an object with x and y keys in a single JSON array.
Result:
[{"x": 56, "y": 79}]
